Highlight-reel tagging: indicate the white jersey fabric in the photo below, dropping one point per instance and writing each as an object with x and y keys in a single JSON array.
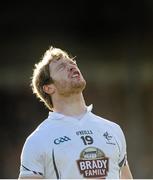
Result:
[{"x": 63, "y": 147}]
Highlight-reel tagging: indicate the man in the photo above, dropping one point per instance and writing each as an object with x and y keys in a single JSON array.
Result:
[{"x": 72, "y": 143}]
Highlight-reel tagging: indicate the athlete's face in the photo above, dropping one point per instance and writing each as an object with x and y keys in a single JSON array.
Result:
[{"x": 66, "y": 76}]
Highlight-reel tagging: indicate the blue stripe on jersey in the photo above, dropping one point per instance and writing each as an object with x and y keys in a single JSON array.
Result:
[
  {"x": 32, "y": 171},
  {"x": 123, "y": 162},
  {"x": 55, "y": 167}
]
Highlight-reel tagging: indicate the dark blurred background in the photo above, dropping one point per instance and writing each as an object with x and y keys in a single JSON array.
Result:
[{"x": 113, "y": 42}]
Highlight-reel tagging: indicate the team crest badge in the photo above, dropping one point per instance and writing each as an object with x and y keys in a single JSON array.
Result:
[{"x": 93, "y": 163}]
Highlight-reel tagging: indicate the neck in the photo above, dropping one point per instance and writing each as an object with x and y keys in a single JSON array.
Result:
[{"x": 72, "y": 106}]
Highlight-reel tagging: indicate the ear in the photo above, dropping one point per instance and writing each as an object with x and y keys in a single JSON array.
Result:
[{"x": 49, "y": 88}]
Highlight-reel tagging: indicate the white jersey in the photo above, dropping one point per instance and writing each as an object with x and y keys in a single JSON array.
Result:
[{"x": 63, "y": 147}]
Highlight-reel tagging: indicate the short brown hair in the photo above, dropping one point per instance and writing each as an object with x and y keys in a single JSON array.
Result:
[{"x": 41, "y": 74}]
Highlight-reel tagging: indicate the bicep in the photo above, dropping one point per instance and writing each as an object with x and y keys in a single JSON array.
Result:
[
  {"x": 126, "y": 172},
  {"x": 30, "y": 177}
]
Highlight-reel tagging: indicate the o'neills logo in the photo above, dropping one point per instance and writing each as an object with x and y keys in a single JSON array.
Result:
[{"x": 93, "y": 163}]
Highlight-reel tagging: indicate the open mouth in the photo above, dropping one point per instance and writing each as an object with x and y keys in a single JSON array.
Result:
[{"x": 75, "y": 74}]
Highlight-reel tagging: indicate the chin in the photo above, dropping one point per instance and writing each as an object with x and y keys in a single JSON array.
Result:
[
  {"x": 78, "y": 87},
  {"x": 67, "y": 89}
]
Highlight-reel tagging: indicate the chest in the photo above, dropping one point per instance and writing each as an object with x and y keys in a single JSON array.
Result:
[{"x": 89, "y": 145}]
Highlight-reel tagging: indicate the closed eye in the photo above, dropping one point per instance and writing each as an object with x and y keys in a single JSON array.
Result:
[{"x": 61, "y": 66}]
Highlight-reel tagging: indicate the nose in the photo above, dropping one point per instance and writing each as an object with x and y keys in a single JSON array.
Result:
[{"x": 71, "y": 67}]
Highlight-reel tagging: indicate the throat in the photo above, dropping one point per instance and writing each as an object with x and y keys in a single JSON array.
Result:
[{"x": 72, "y": 106}]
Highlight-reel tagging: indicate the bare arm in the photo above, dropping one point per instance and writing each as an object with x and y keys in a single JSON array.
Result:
[
  {"x": 126, "y": 172},
  {"x": 30, "y": 177}
]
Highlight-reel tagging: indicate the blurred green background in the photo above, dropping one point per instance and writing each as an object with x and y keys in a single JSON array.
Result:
[{"x": 113, "y": 42}]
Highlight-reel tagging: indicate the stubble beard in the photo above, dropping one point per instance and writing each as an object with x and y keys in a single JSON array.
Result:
[{"x": 69, "y": 88}]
